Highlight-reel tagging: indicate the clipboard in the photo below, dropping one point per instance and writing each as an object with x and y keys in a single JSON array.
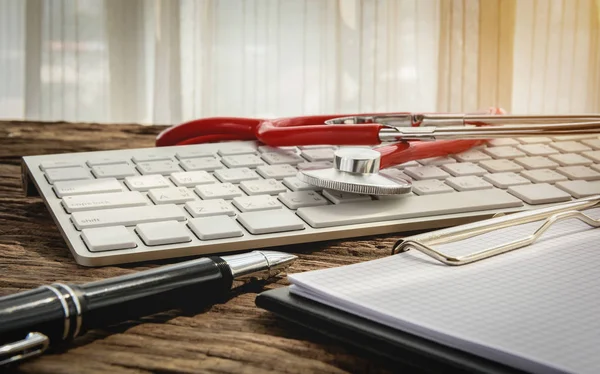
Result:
[
  {"x": 403, "y": 347},
  {"x": 401, "y": 350}
]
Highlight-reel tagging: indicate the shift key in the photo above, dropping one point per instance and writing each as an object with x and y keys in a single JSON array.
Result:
[{"x": 127, "y": 216}]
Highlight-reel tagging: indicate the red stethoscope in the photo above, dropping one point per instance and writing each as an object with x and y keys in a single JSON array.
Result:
[{"x": 414, "y": 135}]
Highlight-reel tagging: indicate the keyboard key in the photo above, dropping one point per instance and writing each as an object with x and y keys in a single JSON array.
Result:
[
  {"x": 570, "y": 147},
  {"x": 111, "y": 200},
  {"x": 146, "y": 182},
  {"x": 543, "y": 193},
  {"x": 500, "y": 166},
  {"x": 106, "y": 161},
  {"x": 394, "y": 173},
  {"x": 534, "y": 140},
  {"x": 108, "y": 238},
  {"x": 319, "y": 154},
  {"x": 574, "y": 137},
  {"x": 537, "y": 149},
  {"x": 317, "y": 146},
  {"x": 44, "y": 165},
  {"x": 262, "y": 187},
  {"x": 406, "y": 165},
  {"x": 89, "y": 186},
  {"x": 235, "y": 175},
  {"x": 581, "y": 188},
  {"x": 207, "y": 208},
  {"x": 151, "y": 157},
  {"x": 255, "y": 203},
  {"x": 426, "y": 172},
  {"x": 593, "y": 155},
  {"x": 239, "y": 161},
  {"x": 504, "y": 152},
  {"x": 472, "y": 155},
  {"x": 464, "y": 169},
  {"x": 269, "y": 149},
  {"x": 218, "y": 227},
  {"x": 571, "y": 159},
  {"x": 502, "y": 142},
  {"x": 225, "y": 191},
  {"x": 67, "y": 174},
  {"x": 339, "y": 197},
  {"x": 593, "y": 143},
  {"x": 430, "y": 186},
  {"x": 437, "y": 161},
  {"x": 300, "y": 199},
  {"x": 116, "y": 171},
  {"x": 536, "y": 162},
  {"x": 173, "y": 195},
  {"x": 411, "y": 206},
  {"x": 296, "y": 184},
  {"x": 127, "y": 216},
  {"x": 543, "y": 176},
  {"x": 158, "y": 167},
  {"x": 236, "y": 149},
  {"x": 193, "y": 153},
  {"x": 270, "y": 222},
  {"x": 202, "y": 163},
  {"x": 315, "y": 165},
  {"x": 192, "y": 178},
  {"x": 468, "y": 183},
  {"x": 505, "y": 180},
  {"x": 579, "y": 172},
  {"x": 276, "y": 158},
  {"x": 277, "y": 171},
  {"x": 161, "y": 233}
]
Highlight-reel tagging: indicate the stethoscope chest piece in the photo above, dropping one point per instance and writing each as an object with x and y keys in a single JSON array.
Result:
[{"x": 356, "y": 170}]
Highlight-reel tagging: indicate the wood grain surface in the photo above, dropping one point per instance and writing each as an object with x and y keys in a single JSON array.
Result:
[{"x": 232, "y": 337}]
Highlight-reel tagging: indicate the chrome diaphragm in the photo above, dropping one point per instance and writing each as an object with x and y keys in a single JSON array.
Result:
[{"x": 356, "y": 170}]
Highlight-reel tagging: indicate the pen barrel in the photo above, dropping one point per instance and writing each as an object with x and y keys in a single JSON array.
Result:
[
  {"x": 63, "y": 311},
  {"x": 183, "y": 285}
]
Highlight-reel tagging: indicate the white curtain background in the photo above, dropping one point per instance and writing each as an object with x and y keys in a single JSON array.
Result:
[{"x": 167, "y": 61}]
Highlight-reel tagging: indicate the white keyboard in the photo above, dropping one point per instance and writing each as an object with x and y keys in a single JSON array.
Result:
[{"x": 142, "y": 204}]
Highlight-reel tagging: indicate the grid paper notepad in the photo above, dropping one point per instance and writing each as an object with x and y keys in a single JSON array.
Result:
[{"x": 536, "y": 308}]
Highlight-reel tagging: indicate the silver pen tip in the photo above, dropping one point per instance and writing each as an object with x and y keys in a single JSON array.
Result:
[
  {"x": 258, "y": 264},
  {"x": 278, "y": 261}
]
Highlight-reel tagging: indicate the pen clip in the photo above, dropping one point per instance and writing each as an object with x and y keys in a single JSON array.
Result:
[{"x": 33, "y": 345}]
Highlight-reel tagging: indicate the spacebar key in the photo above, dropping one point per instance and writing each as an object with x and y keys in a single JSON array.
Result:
[
  {"x": 127, "y": 216},
  {"x": 408, "y": 207}
]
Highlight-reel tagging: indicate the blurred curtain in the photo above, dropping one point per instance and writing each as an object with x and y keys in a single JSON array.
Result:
[{"x": 167, "y": 61}]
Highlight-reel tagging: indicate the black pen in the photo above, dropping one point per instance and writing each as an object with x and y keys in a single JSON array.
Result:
[{"x": 32, "y": 321}]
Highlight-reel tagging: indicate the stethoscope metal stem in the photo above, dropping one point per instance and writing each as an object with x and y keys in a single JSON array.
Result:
[
  {"x": 495, "y": 120},
  {"x": 453, "y": 119},
  {"x": 391, "y": 133}
]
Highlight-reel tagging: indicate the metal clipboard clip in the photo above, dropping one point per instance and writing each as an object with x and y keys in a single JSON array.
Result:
[{"x": 549, "y": 216}]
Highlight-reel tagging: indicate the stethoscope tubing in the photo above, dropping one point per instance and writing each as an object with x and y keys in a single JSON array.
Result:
[{"x": 361, "y": 130}]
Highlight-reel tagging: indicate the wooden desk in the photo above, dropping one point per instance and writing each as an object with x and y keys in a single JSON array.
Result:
[{"x": 234, "y": 336}]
